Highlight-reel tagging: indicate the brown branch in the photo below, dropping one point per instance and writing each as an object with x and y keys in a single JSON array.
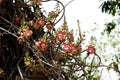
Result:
[{"x": 8, "y": 32}]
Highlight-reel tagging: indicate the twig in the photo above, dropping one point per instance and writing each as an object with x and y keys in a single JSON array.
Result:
[
  {"x": 104, "y": 66},
  {"x": 9, "y": 22},
  {"x": 8, "y": 32},
  {"x": 79, "y": 30},
  {"x": 18, "y": 67},
  {"x": 63, "y": 9},
  {"x": 38, "y": 56},
  {"x": 69, "y": 3},
  {"x": 98, "y": 58}
]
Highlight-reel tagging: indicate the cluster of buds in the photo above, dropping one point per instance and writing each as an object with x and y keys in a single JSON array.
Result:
[
  {"x": 28, "y": 61},
  {"x": 34, "y": 2},
  {"x": 24, "y": 34}
]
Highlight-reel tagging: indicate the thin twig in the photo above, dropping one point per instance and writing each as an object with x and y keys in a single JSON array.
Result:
[
  {"x": 98, "y": 58},
  {"x": 38, "y": 56},
  {"x": 79, "y": 30},
  {"x": 104, "y": 66},
  {"x": 9, "y": 22},
  {"x": 63, "y": 9},
  {"x": 69, "y": 3},
  {"x": 18, "y": 67},
  {"x": 8, "y": 32}
]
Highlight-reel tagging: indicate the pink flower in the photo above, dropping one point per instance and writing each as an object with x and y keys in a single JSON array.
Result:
[{"x": 90, "y": 49}]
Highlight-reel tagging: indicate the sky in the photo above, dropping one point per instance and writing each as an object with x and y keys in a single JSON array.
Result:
[{"x": 88, "y": 13}]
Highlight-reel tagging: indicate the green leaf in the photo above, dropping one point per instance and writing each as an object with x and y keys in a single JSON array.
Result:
[
  {"x": 27, "y": 54},
  {"x": 115, "y": 65},
  {"x": 96, "y": 78},
  {"x": 116, "y": 57},
  {"x": 108, "y": 68}
]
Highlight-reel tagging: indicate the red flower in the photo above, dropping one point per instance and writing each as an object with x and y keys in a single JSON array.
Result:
[
  {"x": 61, "y": 36},
  {"x": 1, "y": 1},
  {"x": 90, "y": 49},
  {"x": 74, "y": 49},
  {"x": 67, "y": 47},
  {"x": 41, "y": 22},
  {"x": 36, "y": 26},
  {"x": 17, "y": 19},
  {"x": 31, "y": 23},
  {"x": 79, "y": 48},
  {"x": 27, "y": 32},
  {"x": 70, "y": 35},
  {"x": 20, "y": 39},
  {"x": 42, "y": 45}
]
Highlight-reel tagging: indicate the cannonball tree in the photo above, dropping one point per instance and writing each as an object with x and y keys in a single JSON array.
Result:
[{"x": 34, "y": 49}]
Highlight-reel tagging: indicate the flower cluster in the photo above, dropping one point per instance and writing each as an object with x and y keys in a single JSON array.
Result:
[
  {"x": 52, "y": 47},
  {"x": 63, "y": 38}
]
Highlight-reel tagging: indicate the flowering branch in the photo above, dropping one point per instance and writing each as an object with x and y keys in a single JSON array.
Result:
[{"x": 51, "y": 53}]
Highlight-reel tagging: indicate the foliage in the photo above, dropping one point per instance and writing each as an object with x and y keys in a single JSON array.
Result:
[
  {"x": 111, "y": 7},
  {"x": 107, "y": 45},
  {"x": 109, "y": 27}
]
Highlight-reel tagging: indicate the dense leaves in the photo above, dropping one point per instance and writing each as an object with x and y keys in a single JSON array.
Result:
[
  {"x": 109, "y": 27},
  {"x": 111, "y": 7}
]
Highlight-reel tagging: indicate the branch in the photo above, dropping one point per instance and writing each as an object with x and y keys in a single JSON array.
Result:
[
  {"x": 63, "y": 9},
  {"x": 8, "y": 32},
  {"x": 9, "y": 22}
]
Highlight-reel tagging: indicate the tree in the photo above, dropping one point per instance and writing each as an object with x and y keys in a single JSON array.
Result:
[
  {"x": 111, "y": 7},
  {"x": 33, "y": 49}
]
